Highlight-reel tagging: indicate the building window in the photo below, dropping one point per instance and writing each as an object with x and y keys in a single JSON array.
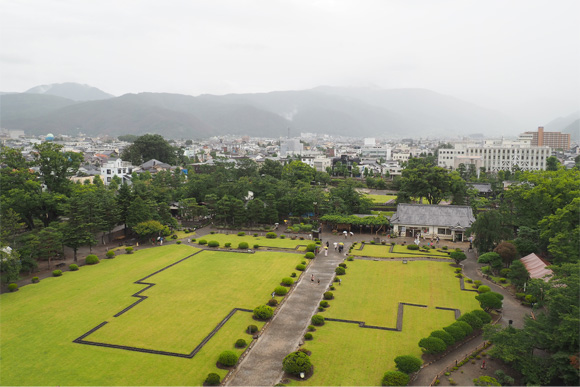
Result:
[{"x": 108, "y": 171}]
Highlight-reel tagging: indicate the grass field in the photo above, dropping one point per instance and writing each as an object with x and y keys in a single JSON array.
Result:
[
  {"x": 234, "y": 239},
  {"x": 380, "y": 199},
  {"x": 382, "y": 251},
  {"x": 40, "y": 322},
  {"x": 345, "y": 354}
]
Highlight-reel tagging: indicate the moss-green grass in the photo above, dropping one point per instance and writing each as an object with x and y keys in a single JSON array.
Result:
[
  {"x": 345, "y": 354},
  {"x": 40, "y": 321},
  {"x": 234, "y": 239},
  {"x": 381, "y": 198},
  {"x": 382, "y": 251}
]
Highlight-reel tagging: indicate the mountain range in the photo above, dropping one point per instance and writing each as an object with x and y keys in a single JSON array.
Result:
[{"x": 72, "y": 108}]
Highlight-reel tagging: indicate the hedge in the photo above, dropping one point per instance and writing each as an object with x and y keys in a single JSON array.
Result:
[
  {"x": 395, "y": 378},
  {"x": 408, "y": 363}
]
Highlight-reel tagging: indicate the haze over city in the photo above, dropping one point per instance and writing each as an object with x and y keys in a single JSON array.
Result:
[{"x": 518, "y": 57}]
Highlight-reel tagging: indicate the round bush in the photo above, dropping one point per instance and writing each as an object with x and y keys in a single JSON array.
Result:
[
  {"x": 311, "y": 328},
  {"x": 13, "y": 287},
  {"x": 320, "y": 309},
  {"x": 456, "y": 332},
  {"x": 57, "y": 273},
  {"x": 303, "y": 262},
  {"x": 252, "y": 329},
  {"x": 110, "y": 254},
  {"x": 228, "y": 358},
  {"x": 317, "y": 320},
  {"x": 241, "y": 233},
  {"x": 484, "y": 289},
  {"x": 228, "y": 244},
  {"x": 484, "y": 316},
  {"x": 35, "y": 280},
  {"x": 241, "y": 343},
  {"x": 243, "y": 245},
  {"x": 446, "y": 337},
  {"x": 282, "y": 236},
  {"x": 503, "y": 280},
  {"x": 212, "y": 379},
  {"x": 340, "y": 271},
  {"x": 328, "y": 295},
  {"x": 213, "y": 244},
  {"x": 342, "y": 265},
  {"x": 350, "y": 258},
  {"x": 174, "y": 236},
  {"x": 311, "y": 247},
  {"x": 308, "y": 336},
  {"x": 324, "y": 304},
  {"x": 273, "y": 302},
  {"x": 129, "y": 250},
  {"x": 256, "y": 246},
  {"x": 280, "y": 291},
  {"x": 408, "y": 364},
  {"x": 472, "y": 319},
  {"x": 92, "y": 259},
  {"x": 293, "y": 275},
  {"x": 309, "y": 255},
  {"x": 202, "y": 242},
  {"x": 432, "y": 345},
  {"x": 73, "y": 267},
  {"x": 255, "y": 234},
  {"x": 263, "y": 312},
  {"x": 395, "y": 378},
  {"x": 287, "y": 281},
  {"x": 332, "y": 288},
  {"x": 412, "y": 247},
  {"x": 271, "y": 235},
  {"x": 300, "y": 267},
  {"x": 297, "y": 362},
  {"x": 178, "y": 242},
  {"x": 504, "y": 272}
]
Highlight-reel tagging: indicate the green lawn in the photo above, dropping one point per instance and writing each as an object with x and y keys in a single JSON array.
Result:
[
  {"x": 382, "y": 251},
  {"x": 380, "y": 199},
  {"x": 40, "y": 322},
  {"x": 234, "y": 239},
  {"x": 345, "y": 354}
]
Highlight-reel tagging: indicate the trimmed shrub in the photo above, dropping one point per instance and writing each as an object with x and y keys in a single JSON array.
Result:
[
  {"x": 472, "y": 319},
  {"x": 520, "y": 296},
  {"x": 311, "y": 328},
  {"x": 350, "y": 258},
  {"x": 110, "y": 254},
  {"x": 467, "y": 329},
  {"x": 255, "y": 234},
  {"x": 212, "y": 232},
  {"x": 228, "y": 244},
  {"x": 317, "y": 320},
  {"x": 432, "y": 345},
  {"x": 202, "y": 242},
  {"x": 446, "y": 337},
  {"x": 213, "y": 244},
  {"x": 178, "y": 242},
  {"x": 324, "y": 304},
  {"x": 293, "y": 275},
  {"x": 287, "y": 281},
  {"x": 271, "y": 235},
  {"x": 503, "y": 280},
  {"x": 297, "y": 362},
  {"x": 412, "y": 247},
  {"x": 12, "y": 287},
  {"x": 263, "y": 312},
  {"x": 303, "y": 262},
  {"x": 228, "y": 358},
  {"x": 311, "y": 247},
  {"x": 212, "y": 379},
  {"x": 35, "y": 280},
  {"x": 332, "y": 288},
  {"x": 504, "y": 272},
  {"x": 92, "y": 259},
  {"x": 73, "y": 267},
  {"x": 57, "y": 273},
  {"x": 456, "y": 332},
  {"x": 282, "y": 236},
  {"x": 328, "y": 295},
  {"x": 241, "y": 343},
  {"x": 395, "y": 378},
  {"x": 272, "y": 302},
  {"x": 340, "y": 271},
  {"x": 408, "y": 363},
  {"x": 308, "y": 336},
  {"x": 256, "y": 246},
  {"x": 129, "y": 250},
  {"x": 309, "y": 255},
  {"x": 342, "y": 265},
  {"x": 280, "y": 291},
  {"x": 252, "y": 329},
  {"x": 477, "y": 283},
  {"x": 243, "y": 245},
  {"x": 484, "y": 289},
  {"x": 241, "y": 233},
  {"x": 320, "y": 309},
  {"x": 458, "y": 270},
  {"x": 531, "y": 299},
  {"x": 485, "y": 381},
  {"x": 483, "y": 316},
  {"x": 300, "y": 267},
  {"x": 174, "y": 236}
]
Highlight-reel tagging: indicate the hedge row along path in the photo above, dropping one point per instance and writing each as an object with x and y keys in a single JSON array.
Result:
[{"x": 81, "y": 339}]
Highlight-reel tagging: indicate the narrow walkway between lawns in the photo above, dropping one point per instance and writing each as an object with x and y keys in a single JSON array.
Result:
[{"x": 263, "y": 365}]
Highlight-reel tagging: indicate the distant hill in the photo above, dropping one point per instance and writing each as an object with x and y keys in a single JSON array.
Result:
[
  {"x": 73, "y": 91},
  {"x": 341, "y": 111}
]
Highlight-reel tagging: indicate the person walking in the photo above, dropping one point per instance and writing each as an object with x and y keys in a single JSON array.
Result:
[
  {"x": 312, "y": 279},
  {"x": 326, "y": 251},
  {"x": 319, "y": 281},
  {"x": 335, "y": 245}
]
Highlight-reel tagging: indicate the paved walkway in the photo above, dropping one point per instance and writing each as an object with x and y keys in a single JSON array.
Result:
[{"x": 263, "y": 365}]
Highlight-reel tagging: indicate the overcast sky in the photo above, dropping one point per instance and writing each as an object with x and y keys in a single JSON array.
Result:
[{"x": 502, "y": 54}]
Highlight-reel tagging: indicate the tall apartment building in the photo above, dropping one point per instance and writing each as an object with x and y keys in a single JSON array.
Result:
[
  {"x": 555, "y": 140},
  {"x": 116, "y": 167}
]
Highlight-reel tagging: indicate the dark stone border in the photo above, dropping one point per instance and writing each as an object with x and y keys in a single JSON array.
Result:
[
  {"x": 81, "y": 339},
  {"x": 457, "y": 311}
]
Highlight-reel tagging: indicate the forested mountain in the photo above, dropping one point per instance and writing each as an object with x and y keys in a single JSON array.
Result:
[{"x": 69, "y": 90}]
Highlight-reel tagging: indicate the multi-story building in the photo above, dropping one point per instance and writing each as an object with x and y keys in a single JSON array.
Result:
[
  {"x": 375, "y": 152},
  {"x": 116, "y": 167},
  {"x": 291, "y": 146},
  {"x": 555, "y": 140}
]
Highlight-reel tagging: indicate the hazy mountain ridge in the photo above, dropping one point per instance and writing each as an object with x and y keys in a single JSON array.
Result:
[
  {"x": 70, "y": 90},
  {"x": 332, "y": 110}
]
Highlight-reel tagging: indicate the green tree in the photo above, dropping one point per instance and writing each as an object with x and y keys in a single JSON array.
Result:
[
  {"x": 56, "y": 166},
  {"x": 50, "y": 242},
  {"x": 297, "y": 170},
  {"x": 507, "y": 251},
  {"x": 493, "y": 259},
  {"x": 561, "y": 232},
  {"x": 489, "y": 230},
  {"x": 458, "y": 256},
  {"x": 150, "y": 146},
  {"x": 149, "y": 229},
  {"x": 123, "y": 201},
  {"x": 490, "y": 300},
  {"x": 425, "y": 180},
  {"x": 518, "y": 274},
  {"x": 552, "y": 163},
  {"x": 10, "y": 264},
  {"x": 139, "y": 211}
]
